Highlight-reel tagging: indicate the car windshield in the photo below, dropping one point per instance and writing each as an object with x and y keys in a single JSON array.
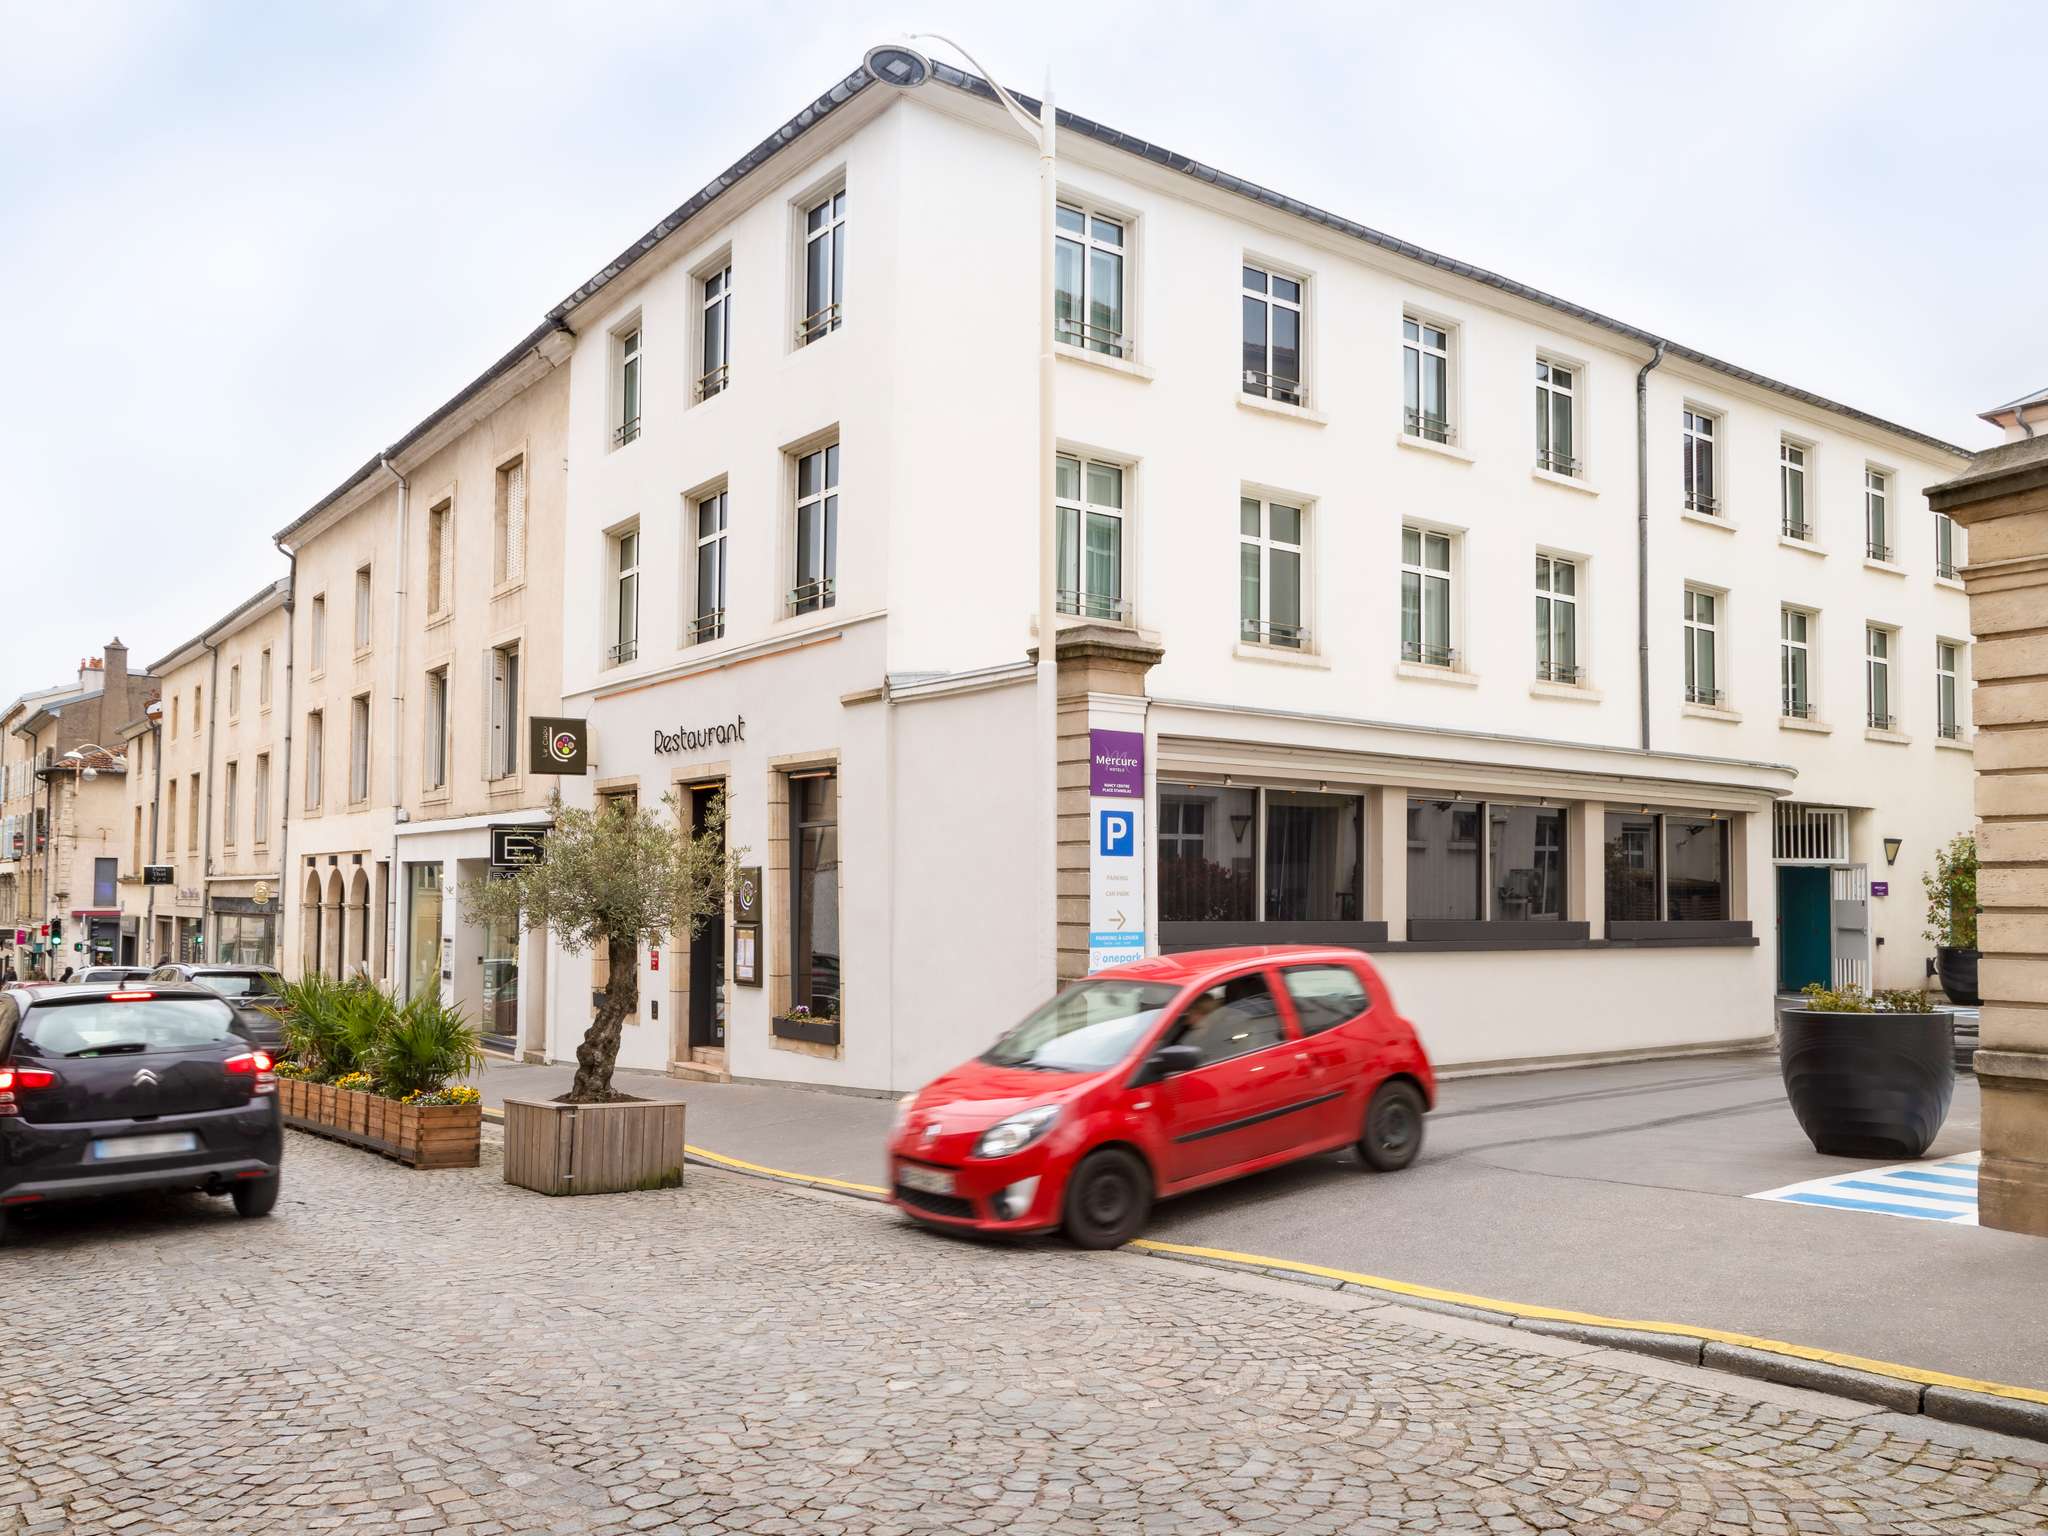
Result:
[
  {"x": 1090, "y": 1026},
  {"x": 238, "y": 983},
  {"x": 91, "y": 1026}
]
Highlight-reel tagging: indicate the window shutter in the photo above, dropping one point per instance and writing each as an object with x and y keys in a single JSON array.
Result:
[
  {"x": 490, "y": 730},
  {"x": 445, "y": 562},
  {"x": 515, "y": 521}
]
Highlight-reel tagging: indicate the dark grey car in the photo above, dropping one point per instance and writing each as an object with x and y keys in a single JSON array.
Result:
[{"x": 245, "y": 988}]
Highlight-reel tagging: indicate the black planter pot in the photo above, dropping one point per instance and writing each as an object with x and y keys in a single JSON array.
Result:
[
  {"x": 1868, "y": 1084},
  {"x": 1957, "y": 969}
]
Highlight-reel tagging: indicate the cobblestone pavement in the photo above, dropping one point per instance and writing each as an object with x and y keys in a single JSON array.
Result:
[{"x": 398, "y": 1352}]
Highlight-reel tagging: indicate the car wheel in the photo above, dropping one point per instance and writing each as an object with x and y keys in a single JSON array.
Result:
[
  {"x": 1393, "y": 1127},
  {"x": 1108, "y": 1199},
  {"x": 257, "y": 1197}
]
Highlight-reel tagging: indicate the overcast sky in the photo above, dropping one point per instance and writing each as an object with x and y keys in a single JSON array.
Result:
[{"x": 247, "y": 244}]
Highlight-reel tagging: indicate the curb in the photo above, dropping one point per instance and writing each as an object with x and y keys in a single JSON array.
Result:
[{"x": 1989, "y": 1405}]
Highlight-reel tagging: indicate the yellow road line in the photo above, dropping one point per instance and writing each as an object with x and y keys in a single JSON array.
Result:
[
  {"x": 1595, "y": 1320},
  {"x": 1463, "y": 1299}
]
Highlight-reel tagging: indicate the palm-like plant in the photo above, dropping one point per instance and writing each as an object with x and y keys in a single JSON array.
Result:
[
  {"x": 309, "y": 1010},
  {"x": 423, "y": 1045}
]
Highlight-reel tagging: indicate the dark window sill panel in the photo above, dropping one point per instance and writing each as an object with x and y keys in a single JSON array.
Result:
[{"x": 813, "y": 1031}]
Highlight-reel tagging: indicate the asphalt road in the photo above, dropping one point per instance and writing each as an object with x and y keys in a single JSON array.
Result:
[{"x": 1615, "y": 1190}]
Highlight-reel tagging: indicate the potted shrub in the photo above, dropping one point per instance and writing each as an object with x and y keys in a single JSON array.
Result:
[
  {"x": 622, "y": 877},
  {"x": 1952, "y": 918},
  {"x": 1867, "y": 1076}
]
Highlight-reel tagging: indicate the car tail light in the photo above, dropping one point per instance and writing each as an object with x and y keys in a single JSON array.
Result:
[
  {"x": 130, "y": 997},
  {"x": 21, "y": 1078},
  {"x": 257, "y": 1065}
]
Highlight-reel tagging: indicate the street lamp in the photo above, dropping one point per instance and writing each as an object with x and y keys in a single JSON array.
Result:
[
  {"x": 899, "y": 65},
  {"x": 86, "y": 770}
]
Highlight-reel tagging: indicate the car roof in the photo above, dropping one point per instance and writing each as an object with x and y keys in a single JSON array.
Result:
[
  {"x": 191, "y": 969},
  {"x": 1193, "y": 964},
  {"x": 54, "y": 990}
]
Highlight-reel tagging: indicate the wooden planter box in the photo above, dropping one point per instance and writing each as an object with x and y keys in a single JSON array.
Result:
[
  {"x": 419, "y": 1135},
  {"x": 593, "y": 1149}
]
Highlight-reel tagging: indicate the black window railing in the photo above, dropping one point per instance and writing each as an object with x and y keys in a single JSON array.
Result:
[
  {"x": 1092, "y": 338},
  {"x": 626, "y": 431},
  {"x": 1559, "y": 672},
  {"x": 1420, "y": 654},
  {"x": 810, "y": 596},
  {"x": 1945, "y": 570},
  {"x": 625, "y": 650},
  {"x": 1949, "y": 730},
  {"x": 714, "y": 382},
  {"x": 1880, "y": 722},
  {"x": 1794, "y": 528},
  {"x": 1877, "y": 551},
  {"x": 707, "y": 626},
  {"x": 1431, "y": 429},
  {"x": 1557, "y": 463},
  {"x": 1706, "y": 506},
  {"x": 1711, "y": 697},
  {"x": 1796, "y": 708}
]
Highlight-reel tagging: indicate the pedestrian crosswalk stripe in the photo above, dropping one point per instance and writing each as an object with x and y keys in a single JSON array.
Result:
[{"x": 1943, "y": 1191}]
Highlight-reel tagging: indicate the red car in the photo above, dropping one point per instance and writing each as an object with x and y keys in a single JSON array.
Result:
[{"x": 1160, "y": 1077}]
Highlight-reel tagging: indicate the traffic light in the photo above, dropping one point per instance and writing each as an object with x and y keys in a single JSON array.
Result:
[{"x": 56, "y": 930}]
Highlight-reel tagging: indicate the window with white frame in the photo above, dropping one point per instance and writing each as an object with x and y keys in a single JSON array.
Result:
[
  {"x": 1426, "y": 380},
  {"x": 440, "y": 559},
  {"x": 1557, "y": 441},
  {"x": 1702, "y": 646},
  {"x": 1270, "y": 601},
  {"x": 229, "y": 772},
  {"x": 192, "y": 804},
  {"x": 1088, "y": 280},
  {"x": 625, "y": 595},
  {"x": 1272, "y": 335},
  {"x": 626, "y": 374},
  {"x": 1426, "y": 574},
  {"x": 259, "y": 833},
  {"x": 824, "y": 268},
  {"x": 707, "y": 621},
  {"x": 316, "y": 635},
  {"x": 1557, "y": 620},
  {"x": 1877, "y": 677},
  {"x": 235, "y": 691},
  {"x": 359, "y": 749},
  {"x": 316, "y": 758},
  {"x": 1795, "y": 664},
  {"x": 1792, "y": 490},
  {"x": 436, "y": 744},
  {"x": 1877, "y": 522},
  {"x": 508, "y": 534},
  {"x": 715, "y": 371},
  {"x": 1701, "y": 493},
  {"x": 263, "y": 679},
  {"x": 1948, "y": 723},
  {"x": 816, "y": 544},
  {"x": 501, "y": 745},
  {"x": 1090, "y": 564},
  {"x": 363, "y": 610},
  {"x": 1944, "y": 546}
]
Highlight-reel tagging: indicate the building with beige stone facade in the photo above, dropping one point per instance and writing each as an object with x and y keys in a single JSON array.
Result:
[
  {"x": 202, "y": 792},
  {"x": 426, "y": 632},
  {"x": 66, "y": 814}
]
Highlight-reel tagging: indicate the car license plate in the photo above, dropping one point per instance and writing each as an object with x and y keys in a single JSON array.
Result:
[
  {"x": 929, "y": 1181},
  {"x": 116, "y": 1147}
]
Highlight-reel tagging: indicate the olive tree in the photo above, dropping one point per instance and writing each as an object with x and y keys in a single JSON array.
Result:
[{"x": 619, "y": 876}]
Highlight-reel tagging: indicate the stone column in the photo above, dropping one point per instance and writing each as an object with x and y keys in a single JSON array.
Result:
[
  {"x": 1102, "y": 671},
  {"x": 2002, "y": 500},
  {"x": 1585, "y": 865}
]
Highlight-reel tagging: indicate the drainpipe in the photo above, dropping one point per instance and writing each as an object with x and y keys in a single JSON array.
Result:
[
  {"x": 206, "y": 826},
  {"x": 156, "y": 800},
  {"x": 397, "y": 728},
  {"x": 284, "y": 783},
  {"x": 1643, "y": 543}
]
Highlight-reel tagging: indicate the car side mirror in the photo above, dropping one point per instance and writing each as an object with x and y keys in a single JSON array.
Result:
[{"x": 1165, "y": 1062}]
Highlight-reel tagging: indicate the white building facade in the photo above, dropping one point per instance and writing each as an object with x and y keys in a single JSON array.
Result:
[{"x": 1370, "y": 631}]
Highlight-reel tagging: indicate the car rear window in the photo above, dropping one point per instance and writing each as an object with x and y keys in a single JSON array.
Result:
[
  {"x": 1325, "y": 995},
  {"x": 94, "y": 1025},
  {"x": 242, "y": 984}
]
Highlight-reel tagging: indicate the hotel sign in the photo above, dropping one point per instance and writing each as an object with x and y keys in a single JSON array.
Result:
[{"x": 688, "y": 739}]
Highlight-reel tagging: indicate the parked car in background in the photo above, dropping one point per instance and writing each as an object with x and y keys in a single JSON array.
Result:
[
  {"x": 107, "y": 1090},
  {"x": 112, "y": 975},
  {"x": 255, "y": 992},
  {"x": 1159, "y": 1077}
]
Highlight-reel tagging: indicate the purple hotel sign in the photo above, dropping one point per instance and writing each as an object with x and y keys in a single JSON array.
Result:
[{"x": 1116, "y": 764}]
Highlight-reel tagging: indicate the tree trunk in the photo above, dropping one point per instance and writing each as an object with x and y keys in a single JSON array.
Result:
[{"x": 598, "y": 1054}]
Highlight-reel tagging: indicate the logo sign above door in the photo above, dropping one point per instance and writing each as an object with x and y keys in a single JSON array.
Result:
[
  {"x": 555, "y": 745},
  {"x": 517, "y": 847}
]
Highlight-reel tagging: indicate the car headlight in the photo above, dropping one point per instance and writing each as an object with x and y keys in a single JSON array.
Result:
[
  {"x": 1017, "y": 1132},
  {"x": 903, "y": 1111}
]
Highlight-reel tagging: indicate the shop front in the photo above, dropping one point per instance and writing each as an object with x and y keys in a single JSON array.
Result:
[{"x": 244, "y": 922}]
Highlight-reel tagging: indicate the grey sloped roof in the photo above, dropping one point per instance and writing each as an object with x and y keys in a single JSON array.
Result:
[
  {"x": 845, "y": 89},
  {"x": 276, "y": 589}
]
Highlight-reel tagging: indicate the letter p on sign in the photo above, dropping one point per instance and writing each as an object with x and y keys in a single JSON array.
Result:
[{"x": 1119, "y": 835}]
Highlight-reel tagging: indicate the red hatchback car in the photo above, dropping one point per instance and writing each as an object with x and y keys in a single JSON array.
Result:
[{"x": 1156, "y": 1078}]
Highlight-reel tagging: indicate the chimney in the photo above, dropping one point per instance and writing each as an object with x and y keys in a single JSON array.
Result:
[
  {"x": 114, "y": 702},
  {"x": 91, "y": 674}
]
